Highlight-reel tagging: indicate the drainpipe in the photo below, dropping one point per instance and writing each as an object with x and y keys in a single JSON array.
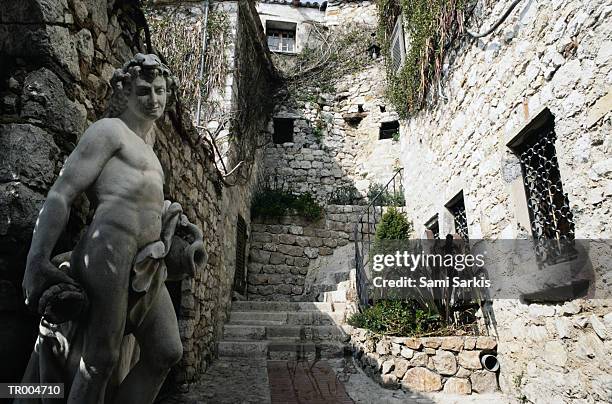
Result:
[{"x": 202, "y": 61}]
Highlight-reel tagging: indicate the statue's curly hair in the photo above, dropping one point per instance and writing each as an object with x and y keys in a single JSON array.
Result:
[{"x": 146, "y": 66}]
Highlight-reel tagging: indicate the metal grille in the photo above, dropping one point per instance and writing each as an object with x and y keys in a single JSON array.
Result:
[
  {"x": 460, "y": 217},
  {"x": 457, "y": 208},
  {"x": 239, "y": 274},
  {"x": 549, "y": 210}
]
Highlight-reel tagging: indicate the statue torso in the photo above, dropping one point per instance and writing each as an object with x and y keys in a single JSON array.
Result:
[{"x": 129, "y": 188}]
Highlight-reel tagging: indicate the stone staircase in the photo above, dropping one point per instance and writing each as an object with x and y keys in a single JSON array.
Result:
[{"x": 279, "y": 330}]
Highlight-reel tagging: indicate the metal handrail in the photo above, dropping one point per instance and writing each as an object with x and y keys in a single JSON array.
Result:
[{"x": 361, "y": 259}]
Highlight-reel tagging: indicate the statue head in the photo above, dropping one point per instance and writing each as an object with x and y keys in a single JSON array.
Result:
[{"x": 144, "y": 85}]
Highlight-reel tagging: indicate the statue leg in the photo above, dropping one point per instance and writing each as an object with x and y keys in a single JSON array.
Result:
[
  {"x": 160, "y": 349},
  {"x": 102, "y": 265}
]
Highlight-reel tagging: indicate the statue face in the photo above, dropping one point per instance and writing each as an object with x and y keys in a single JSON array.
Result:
[{"x": 147, "y": 99}]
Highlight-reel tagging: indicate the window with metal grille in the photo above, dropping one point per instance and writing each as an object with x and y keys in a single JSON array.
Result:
[
  {"x": 398, "y": 50},
  {"x": 456, "y": 207},
  {"x": 388, "y": 130},
  {"x": 240, "y": 272},
  {"x": 549, "y": 209},
  {"x": 283, "y": 130},
  {"x": 433, "y": 226}
]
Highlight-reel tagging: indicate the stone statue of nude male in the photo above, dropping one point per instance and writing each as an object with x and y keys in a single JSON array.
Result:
[{"x": 112, "y": 283}]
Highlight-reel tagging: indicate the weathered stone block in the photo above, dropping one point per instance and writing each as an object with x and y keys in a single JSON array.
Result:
[
  {"x": 407, "y": 352},
  {"x": 422, "y": 379},
  {"x": 445, "y": 363},
  {"x": 470, "y": 359},
  {"x": 413, "y": 343},
  {"x": 383, "y": 347},
  {"x": 400, "y": 367},
  {"x": 387, "y": 366},
  {"x": 452, "y": 343},
  {"x": 27, "y": 154},
  {"x": 262, "y": 257},
  {"x": 287, "y": 239},
  {"x": 419, "y": 359},
  {"x": 455, "y": 385},
  {"x": 311, "y": 252},
  {"x": 486, "y": 343},
  {"x": 484, "y": 381}
]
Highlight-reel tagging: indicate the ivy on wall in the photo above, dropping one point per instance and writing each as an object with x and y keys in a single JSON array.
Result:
[{"x": 430, "y": 27}]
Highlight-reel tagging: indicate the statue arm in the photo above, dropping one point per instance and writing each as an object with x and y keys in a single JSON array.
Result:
[{"x": 80, "y": 171}]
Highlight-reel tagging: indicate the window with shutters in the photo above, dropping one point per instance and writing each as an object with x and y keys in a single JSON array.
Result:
[{"x": 398, "y": 50}]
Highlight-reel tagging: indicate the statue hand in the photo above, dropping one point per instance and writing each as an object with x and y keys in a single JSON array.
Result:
[{"x": 39, "y": 276}]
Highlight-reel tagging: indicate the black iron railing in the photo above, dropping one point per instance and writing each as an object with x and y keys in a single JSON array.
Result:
[{"x": 391, "y": 194}]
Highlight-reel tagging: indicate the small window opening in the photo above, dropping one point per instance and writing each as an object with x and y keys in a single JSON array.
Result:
[
  {"x": 389, "y": 130},
  {"x": 283, "y": 130},
  {"x": 382, "y": 108},
  {"x": 433, "y": 226},
  {"x": 456, "y": 207},
  {"x": 359, "y": 107}
]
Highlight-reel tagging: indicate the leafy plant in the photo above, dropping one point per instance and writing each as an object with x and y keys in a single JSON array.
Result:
[
  {"x": 431, "y": 26},
  {"x": 397, "y": 317},
  {"x": 381, "y": 196},
  {"x": 277, "y": 203},
  {"x": 345, "y": 195}
]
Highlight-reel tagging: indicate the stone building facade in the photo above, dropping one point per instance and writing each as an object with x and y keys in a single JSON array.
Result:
[
  {"x": 547, "y": 56},
  {"x": 59, "y": 58},
  {"x": 335, "y": 144}
]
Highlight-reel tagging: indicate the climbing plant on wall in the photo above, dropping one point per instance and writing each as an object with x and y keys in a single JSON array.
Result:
[
  {"x": 430, "y": 26},
  {"x": 176, "y": 34}
]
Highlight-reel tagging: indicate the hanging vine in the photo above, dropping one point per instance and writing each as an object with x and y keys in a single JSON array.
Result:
[{"x": 430, "y": 27}]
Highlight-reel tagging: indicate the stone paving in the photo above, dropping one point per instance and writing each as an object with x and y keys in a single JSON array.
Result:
[{"x": 337, "y": 381}]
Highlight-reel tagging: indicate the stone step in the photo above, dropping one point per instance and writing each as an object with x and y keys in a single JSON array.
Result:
[
  {"x": 298, "y": 332},
  {"x": 282, "y": 349},
  {"x": 253, "y": 305},
  {"x": 279, "y": 317}
]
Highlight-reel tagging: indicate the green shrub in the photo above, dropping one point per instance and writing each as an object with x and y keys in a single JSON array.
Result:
[
  {"x": 393, "y": 226},
  {"x": 397, "y": 317},
  {"x": 277, "y": 203},
  {"x": 346, "y": 195}
]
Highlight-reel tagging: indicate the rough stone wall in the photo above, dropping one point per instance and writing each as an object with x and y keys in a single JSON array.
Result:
[
  {"x": 426, "y": 364},
  {"x": 348, "y": 152},
  {"x": 286, "y": 252},
  {"x": 57, "y": 59},
  {"x": 547, "y": 54}
]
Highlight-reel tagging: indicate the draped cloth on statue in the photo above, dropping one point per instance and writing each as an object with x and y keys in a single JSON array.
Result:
[{"x": 57, "y": 353}]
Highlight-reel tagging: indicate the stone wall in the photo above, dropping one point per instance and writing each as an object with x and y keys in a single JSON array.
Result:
[
  {"x": 290, "y": 256},
  {"x": 58, "y": 58},
  {"x": 553, "y": 55},
  {"x": 426, "y": 364}
]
